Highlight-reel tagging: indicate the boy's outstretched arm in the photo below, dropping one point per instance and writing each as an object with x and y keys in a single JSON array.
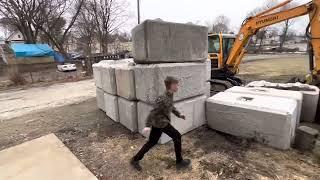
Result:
[{"x": 177, "y": 113}]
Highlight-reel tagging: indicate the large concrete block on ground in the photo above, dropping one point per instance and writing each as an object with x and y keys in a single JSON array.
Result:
[
  {"x": 149, "y": 80},
  {"x": 42, "y": 158},
  {"x": 111, "y": 106},
  {"x": 267, "y": 119},
  {"x": 125, "y": 82},
  {"x": 193, "y": 109},
  {"x": 310, "y": 96},
  {"x": 159, "y": 42},
  {"x": 296, "y": 95},
  {"x": 100, "y": 99},
  {"x": 128, "y": 114},
  {"x": 108, "y": 76}
]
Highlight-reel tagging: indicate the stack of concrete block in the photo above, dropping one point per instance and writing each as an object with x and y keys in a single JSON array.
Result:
[
  {"x": 160, "y": 49},
  {"x": 269, "y": 120},
  {"x": 164, "y": 49},
  {"x": 310, "y": 96},
  {"x": 105, "y": 81}
]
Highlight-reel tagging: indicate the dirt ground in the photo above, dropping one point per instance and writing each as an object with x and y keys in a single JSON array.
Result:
[{"x": 105, "y": 147}]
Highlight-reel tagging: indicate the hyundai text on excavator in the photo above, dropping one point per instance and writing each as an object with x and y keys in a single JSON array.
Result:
[{"x": 227, "y": 50}]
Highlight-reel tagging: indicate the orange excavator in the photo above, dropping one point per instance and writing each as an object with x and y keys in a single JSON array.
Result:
[{"x": 227, "y": 50}]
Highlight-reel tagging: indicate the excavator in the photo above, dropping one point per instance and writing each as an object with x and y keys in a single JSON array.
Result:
[{"x": 227, "y": 50}]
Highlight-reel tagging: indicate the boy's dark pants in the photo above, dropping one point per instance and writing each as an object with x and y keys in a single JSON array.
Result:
[{"x": 154, "y": 138}]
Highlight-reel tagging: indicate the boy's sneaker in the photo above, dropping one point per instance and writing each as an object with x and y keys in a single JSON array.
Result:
[
  {"x": 135, "y": 164},
  {"x": 183, "y": 164}
]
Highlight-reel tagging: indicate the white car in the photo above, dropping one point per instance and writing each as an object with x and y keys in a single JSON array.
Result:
[{"x": 66, "y": 67}]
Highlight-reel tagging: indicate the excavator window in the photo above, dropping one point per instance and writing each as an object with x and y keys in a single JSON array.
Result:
[
  {"x": 227, "y": 46},
  {"x": 213, "y": 44}
]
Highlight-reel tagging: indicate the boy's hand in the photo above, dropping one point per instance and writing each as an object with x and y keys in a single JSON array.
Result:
[
  {"x": 183, "y": 117},
  {"x": 146, "y": 131}
]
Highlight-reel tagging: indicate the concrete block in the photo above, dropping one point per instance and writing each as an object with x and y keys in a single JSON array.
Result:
[
  {"x": 296, "y": 95},
  {"x": 111, "y": 106},
  {"x": 310, "y": 96},
  {"x": 267, "y": 119},
  {"x": 159, "y": 42},
  {"x": 100, "y": 99},
  {"x": 208, "y": 89},
  {"x": 149, "y": 80},
  {"x": 125, "y": 82},
  {"x": 107, "y": 73},
  {"x": 44, "y": 158},
  {"x": 128, "y": 114},
  {"x": 97, "y": 75},
  {"x": 208, "y": 63},
  {"x": 193, "y": 109},
  {"x": 306, "y": 138}
]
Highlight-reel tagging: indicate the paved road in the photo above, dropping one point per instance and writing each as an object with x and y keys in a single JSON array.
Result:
[{"x": 20, "y": 102}]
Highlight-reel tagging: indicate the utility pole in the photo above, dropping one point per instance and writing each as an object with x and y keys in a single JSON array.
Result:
[{"x": 138, "y": 6}]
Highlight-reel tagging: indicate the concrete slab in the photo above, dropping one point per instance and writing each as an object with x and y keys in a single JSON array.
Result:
[
  {"x": 45, "y": 158},
  {"x": 159, "y": 42},
  {"x": 100, "y": 99},
  {"x": 111, "y": 106},
  {"x": 296, "y": 95},
  {"x": 149, "y": 80},
  {"x": 193, "y": 109},
  {"x": 128, "y": 114},
  {"x": 310, "y": 96},
  {"x": 267, "y": 119},
  {"x": 125, "y": 82}
]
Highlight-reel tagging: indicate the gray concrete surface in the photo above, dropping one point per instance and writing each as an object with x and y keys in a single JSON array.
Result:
[
  {"x": 100, "y": 99},
  {"x": 296, "y": 95},
  {"x": 125, "y": 82},
  {"x": 128, "y": 114},
  {"x": 111, "y": 106},
  {"x": 266, "y": 119},
  {"x": 149, "y": 80},
  {"x": 310, "y": 96},
  {"x": 158, "y": 41},
  {"x": 193, "y": 109},
  {"x": 45, "y": 158}
]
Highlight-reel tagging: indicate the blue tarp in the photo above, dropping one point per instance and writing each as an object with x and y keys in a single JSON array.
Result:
[
  {"x": 32, "y": 50},
  {"x": 58, "y": 57}
]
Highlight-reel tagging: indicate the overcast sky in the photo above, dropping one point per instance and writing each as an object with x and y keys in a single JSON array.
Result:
[{"x": 202, "y": 10}]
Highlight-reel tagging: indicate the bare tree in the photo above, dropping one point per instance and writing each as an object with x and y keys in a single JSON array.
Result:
[
  {"x": 261, "y": 34},
  {"x": 19, "y": 14},
  {"x": 220, "y": 24},
  {"x": 109, "y": 16},
  {"x": 284, "y": 28},
  {"x": 52, "y": 21}
]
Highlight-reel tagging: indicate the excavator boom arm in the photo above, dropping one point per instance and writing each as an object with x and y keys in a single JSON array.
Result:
[{"x": 264, "y": 19}]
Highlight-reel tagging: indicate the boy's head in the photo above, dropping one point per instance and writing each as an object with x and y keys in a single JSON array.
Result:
[{"x": 171, "y": 83}]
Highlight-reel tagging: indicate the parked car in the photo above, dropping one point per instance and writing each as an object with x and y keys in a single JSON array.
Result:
[{"x": 66, "y": 67}]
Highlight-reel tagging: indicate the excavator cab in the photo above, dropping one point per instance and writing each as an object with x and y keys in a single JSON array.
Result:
[{"x": 219, "y": 47}]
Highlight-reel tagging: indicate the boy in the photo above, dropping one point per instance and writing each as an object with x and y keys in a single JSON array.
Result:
[{"x": 158, "y": 122}]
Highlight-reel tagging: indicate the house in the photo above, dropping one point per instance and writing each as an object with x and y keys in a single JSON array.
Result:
[{"x": 15, "y": 37}]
